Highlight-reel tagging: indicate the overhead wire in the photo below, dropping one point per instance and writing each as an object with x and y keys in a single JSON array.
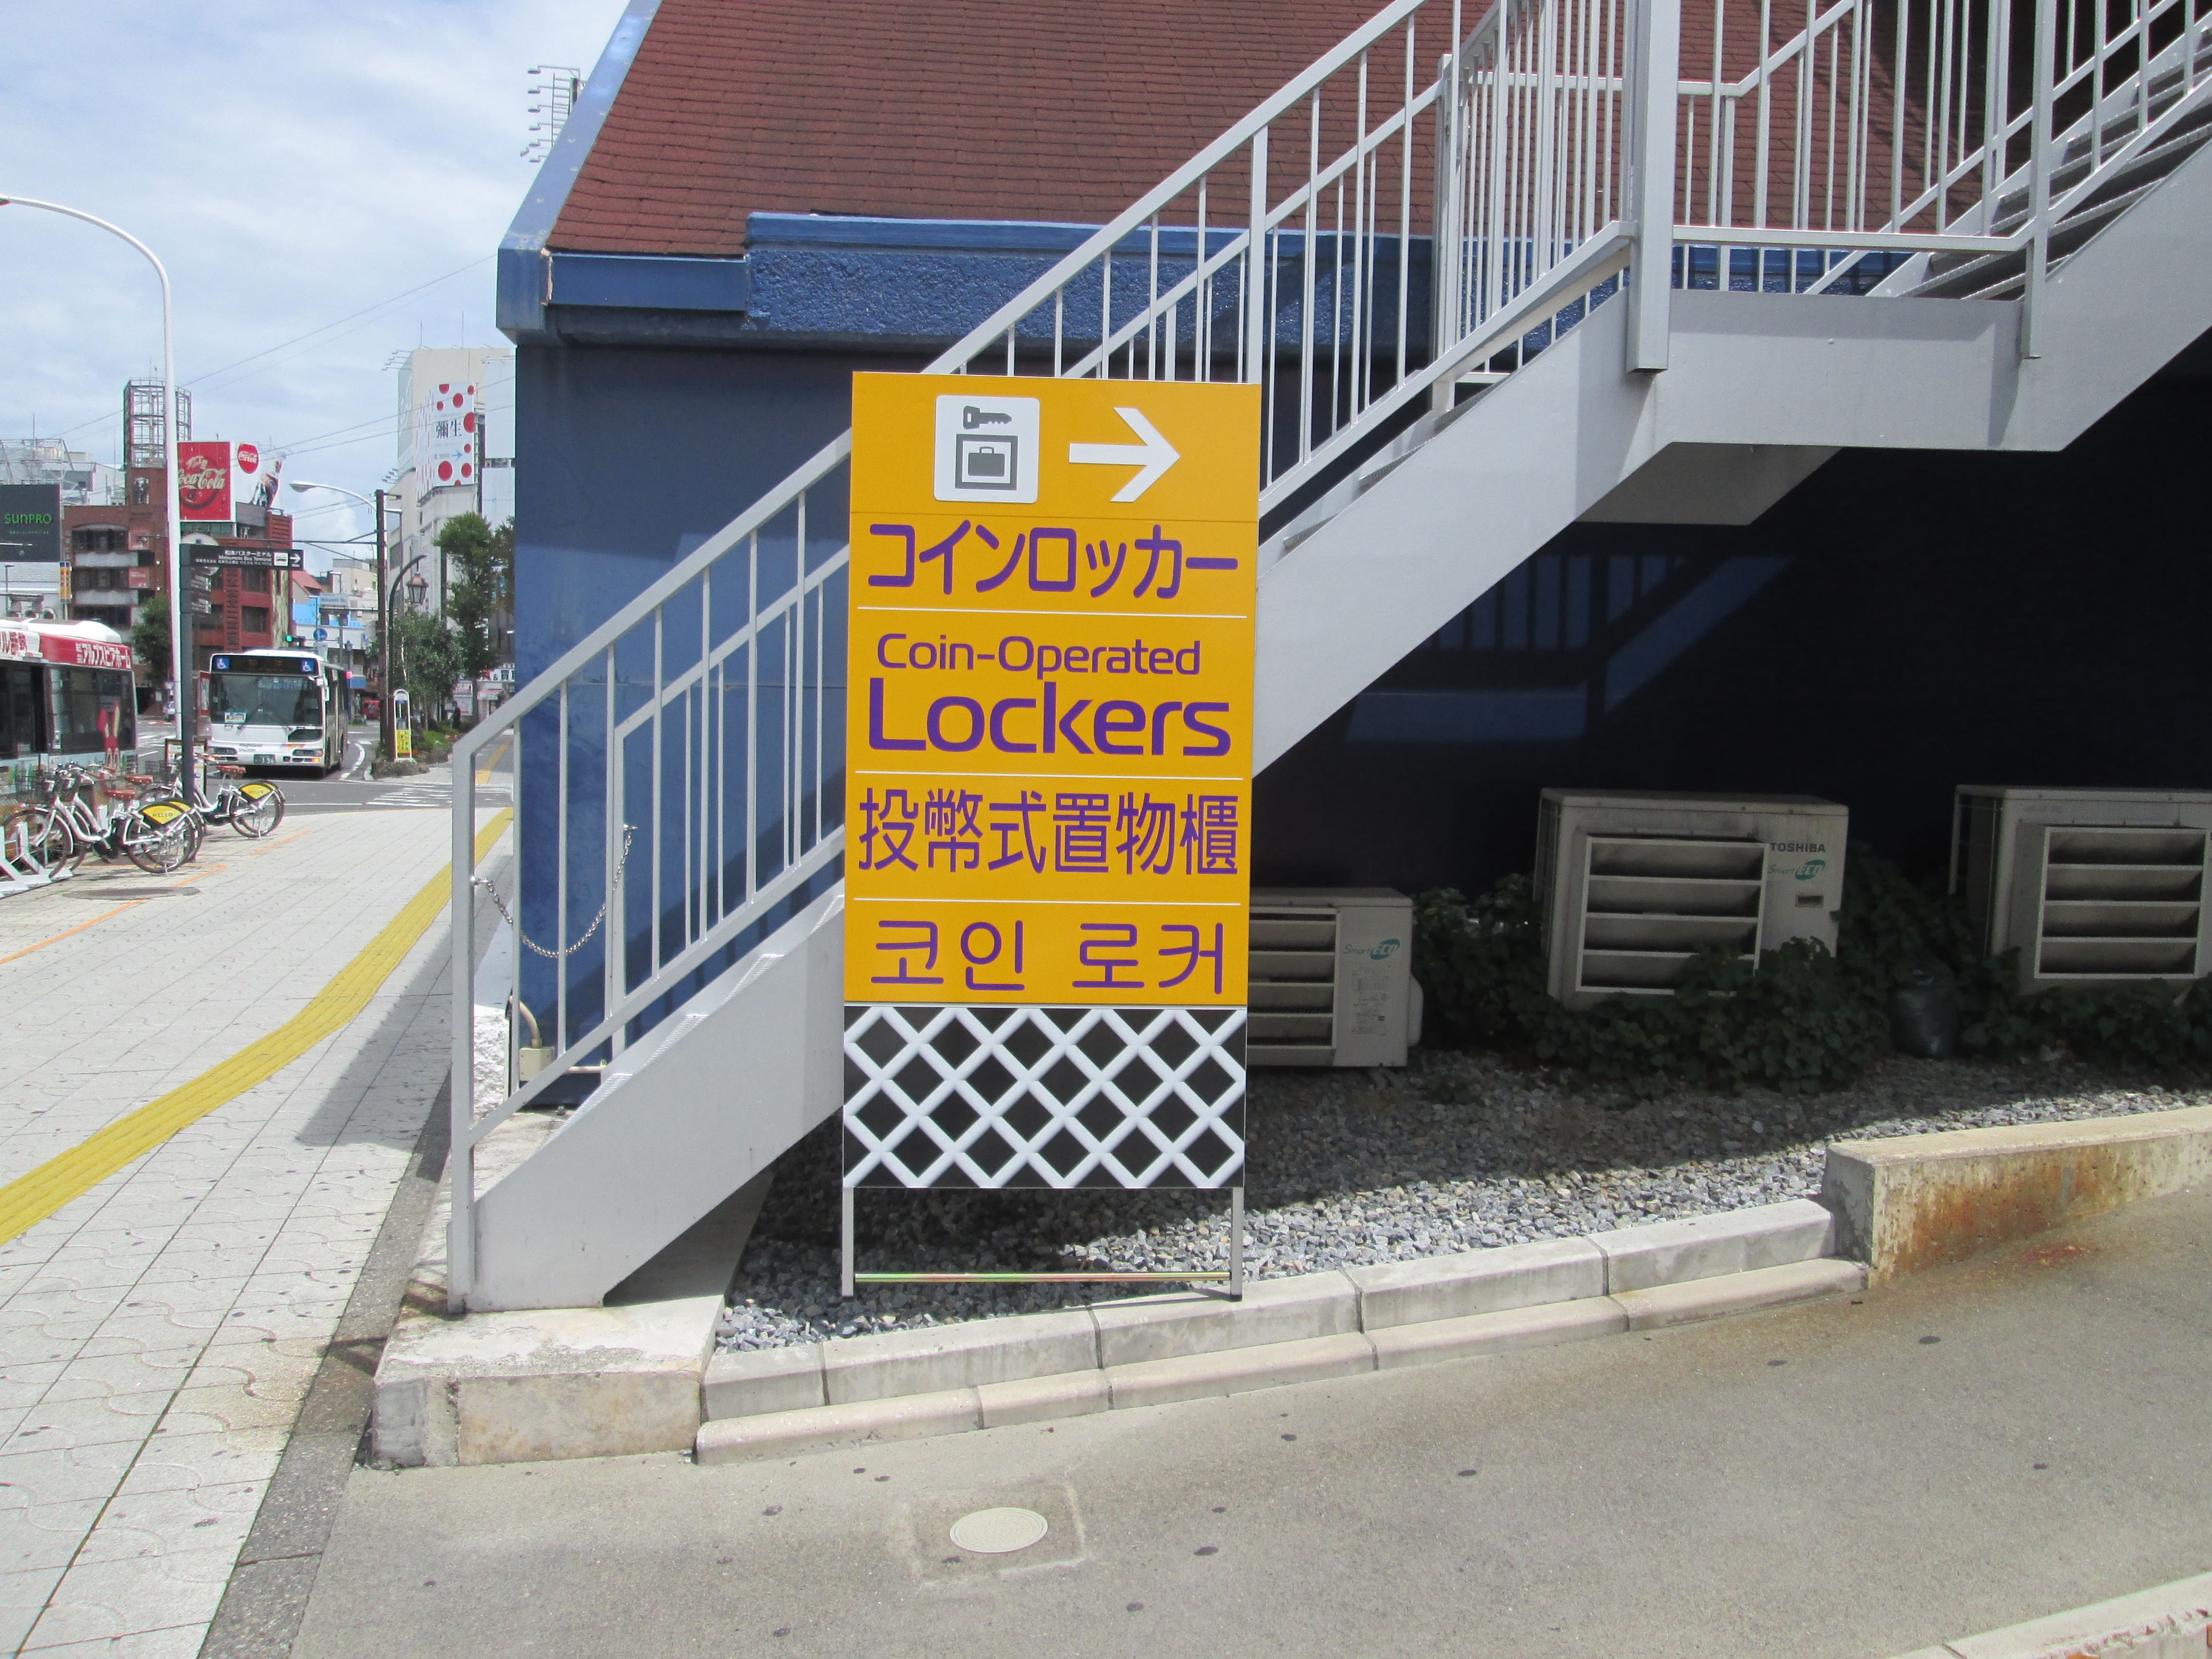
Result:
[{"x": 114, "y": 419}]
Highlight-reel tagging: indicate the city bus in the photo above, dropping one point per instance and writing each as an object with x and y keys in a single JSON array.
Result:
[
  {"x": 67, "y": 698},
  {"x": 275, "y": 708}
]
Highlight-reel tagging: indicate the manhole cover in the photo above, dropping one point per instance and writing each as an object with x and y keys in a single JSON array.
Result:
[{"x": 998, "y": 1532}]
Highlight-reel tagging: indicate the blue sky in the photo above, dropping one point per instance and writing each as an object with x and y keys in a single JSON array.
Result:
[{"x": 292, "y": 163}]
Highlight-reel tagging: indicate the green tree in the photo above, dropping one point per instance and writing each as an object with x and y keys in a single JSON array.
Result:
[
  {"x": 482, "y": 560},
  {"x": 149, "y": 635},
  {"x": 429, "y": 661}
]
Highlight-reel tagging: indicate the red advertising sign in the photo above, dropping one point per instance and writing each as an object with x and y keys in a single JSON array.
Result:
[
  {"x": 140, "y": 576},
  {"x": 87, "y": 653},
  {"x": 204, "y": 480},
  {"x": 31, "y": 644},
  {"x": 246, "y": 474}
]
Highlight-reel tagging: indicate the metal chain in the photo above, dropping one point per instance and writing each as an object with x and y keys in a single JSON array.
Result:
[{"x": 499, "y": 904}]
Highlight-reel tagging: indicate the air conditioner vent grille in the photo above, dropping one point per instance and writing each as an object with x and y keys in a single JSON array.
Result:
[
  {"x": 1292, "y": 993},
  {"x": 2121, "y": 902},
  {"x": 1651, "y": 903}
]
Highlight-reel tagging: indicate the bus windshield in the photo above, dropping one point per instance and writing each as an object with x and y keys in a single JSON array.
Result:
[{"x": 287, "y": 700}]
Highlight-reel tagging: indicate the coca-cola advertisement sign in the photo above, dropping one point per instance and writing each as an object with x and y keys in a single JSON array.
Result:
[{"x": 204, "y": 480}]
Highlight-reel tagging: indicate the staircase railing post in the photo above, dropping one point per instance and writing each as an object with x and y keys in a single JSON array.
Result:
[
  {"x": 1258, "y": 325},
  {"x": 1657, "y": 46},
  {"x": 2040, "y": 163}
]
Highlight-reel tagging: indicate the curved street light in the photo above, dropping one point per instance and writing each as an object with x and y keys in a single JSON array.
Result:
[{"x": 180, "y": 648}]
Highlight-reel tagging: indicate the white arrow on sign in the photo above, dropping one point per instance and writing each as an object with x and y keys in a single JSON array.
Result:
[{"x": 1152, "y": 457}]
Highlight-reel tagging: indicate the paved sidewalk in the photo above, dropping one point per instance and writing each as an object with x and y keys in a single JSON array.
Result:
[
  {"x": 1851, "y": 1479},
  {"x": 158, "y": 1333}
]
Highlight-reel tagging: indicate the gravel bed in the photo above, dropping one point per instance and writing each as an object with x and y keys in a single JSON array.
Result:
[{"x": 1456, "y": 1152}]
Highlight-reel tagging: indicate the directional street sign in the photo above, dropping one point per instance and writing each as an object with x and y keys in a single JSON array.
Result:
[{"x": 1048, "y": 781}]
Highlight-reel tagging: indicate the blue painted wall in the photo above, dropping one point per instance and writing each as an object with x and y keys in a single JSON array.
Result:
[{"x": 1901, "y": 624}]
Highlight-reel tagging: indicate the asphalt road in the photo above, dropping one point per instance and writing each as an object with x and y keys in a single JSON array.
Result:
[
  {"x": 1857, "y": 1478},
  {"x": 351, "y": 789}
]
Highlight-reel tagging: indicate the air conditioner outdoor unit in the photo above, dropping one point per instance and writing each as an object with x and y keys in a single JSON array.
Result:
[
  {"x": 1331, "y": 977},
  {"x": 1630, "y": 886},
  {"x": 2092, "y": 886}
]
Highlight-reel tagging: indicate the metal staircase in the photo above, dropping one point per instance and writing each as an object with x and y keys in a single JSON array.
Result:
[{"x": 1468, "y": 265}]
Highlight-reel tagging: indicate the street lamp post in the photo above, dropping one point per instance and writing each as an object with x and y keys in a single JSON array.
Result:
[
  {"x": 391, "y": 599},
  {"x": 180, "y": 626},
  {"x": 383, "y": 652}
]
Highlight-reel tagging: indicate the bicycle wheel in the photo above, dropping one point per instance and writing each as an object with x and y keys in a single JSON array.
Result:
[
  {"x": 159, "y": 836},
  {"x": 256, "y": 809},
  {"x": 55, "y": 840}
]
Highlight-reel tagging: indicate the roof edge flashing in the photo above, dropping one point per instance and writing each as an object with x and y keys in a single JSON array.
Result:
[{"x": 521, "y": 302}]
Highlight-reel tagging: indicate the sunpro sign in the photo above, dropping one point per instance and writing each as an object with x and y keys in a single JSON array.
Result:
[{"x": 1050, "y": 702}]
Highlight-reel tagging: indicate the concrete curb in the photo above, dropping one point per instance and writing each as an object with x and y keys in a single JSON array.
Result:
[
  {"x": 1244, "y": 1368},
  {"x": 575, "y": 1384},
  {"x": 1919, "y": 1201},
  {"x": 2170, "y": 1622},
  {"x": 1143, "y": 1330}
]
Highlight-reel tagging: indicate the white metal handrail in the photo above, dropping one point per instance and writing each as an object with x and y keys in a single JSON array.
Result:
[{"x": 1427, "y": 225}]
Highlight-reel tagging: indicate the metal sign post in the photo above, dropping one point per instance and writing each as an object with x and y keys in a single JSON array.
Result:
[{"x": 1048, "y": 790}]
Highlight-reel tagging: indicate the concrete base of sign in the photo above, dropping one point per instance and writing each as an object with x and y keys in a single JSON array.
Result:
[{"x": 523, "y": 1387}]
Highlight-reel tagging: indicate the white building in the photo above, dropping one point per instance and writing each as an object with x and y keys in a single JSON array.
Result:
[
  {"x": 29, "y": 593},
  {"x": 83, "y": 481},
  {"x": 456, "y": 408}
]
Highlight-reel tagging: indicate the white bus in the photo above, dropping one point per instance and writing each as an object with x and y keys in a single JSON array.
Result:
[{"x": 275, "y": 708}]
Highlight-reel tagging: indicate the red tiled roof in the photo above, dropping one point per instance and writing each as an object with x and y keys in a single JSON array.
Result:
[{"x": 1024, "y": 109}]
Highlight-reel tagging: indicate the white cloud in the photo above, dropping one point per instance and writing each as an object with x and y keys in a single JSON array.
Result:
[{"x": 291, "y": 163}]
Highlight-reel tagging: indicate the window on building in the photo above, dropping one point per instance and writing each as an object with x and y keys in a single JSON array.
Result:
[
  {"x": 97, "y": 540},
  {"x": 254, "y": 619},
  {"x": 254, "y": 582}
]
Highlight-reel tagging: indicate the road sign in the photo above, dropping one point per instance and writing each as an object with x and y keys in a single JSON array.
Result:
[
  {"x": 1048, "y": 780},
  {"x": 322, "y": 635},
  {"x": 260, "y": 558}
]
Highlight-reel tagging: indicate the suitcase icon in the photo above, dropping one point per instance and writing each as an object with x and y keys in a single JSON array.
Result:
[{"x": 986, "y": 462}]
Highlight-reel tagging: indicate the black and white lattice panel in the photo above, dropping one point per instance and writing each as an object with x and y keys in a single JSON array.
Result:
[{"x": 1012, "y": 1096}]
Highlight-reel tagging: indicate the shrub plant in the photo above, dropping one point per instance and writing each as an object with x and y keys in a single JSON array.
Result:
[{"x": 1805, "y": 1019}]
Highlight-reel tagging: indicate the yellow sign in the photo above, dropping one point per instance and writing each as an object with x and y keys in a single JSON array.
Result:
[{"x": 1049, "y": 725}]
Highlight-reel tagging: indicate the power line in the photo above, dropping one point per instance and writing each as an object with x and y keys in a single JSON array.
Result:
[
  {"x": 379, "y": 305},
  {"x": 114, "y": 418}
]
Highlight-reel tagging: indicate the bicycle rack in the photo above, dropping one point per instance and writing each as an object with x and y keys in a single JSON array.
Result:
[{"x": 21, "y": 872}]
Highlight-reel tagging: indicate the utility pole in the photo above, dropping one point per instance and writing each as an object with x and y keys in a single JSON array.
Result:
[{"x": 383, "y": 643}]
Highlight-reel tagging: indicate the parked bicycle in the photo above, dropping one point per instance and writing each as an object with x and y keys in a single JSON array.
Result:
[
  {"x": 252, "y": 806},
  {"x": 68, "y": 825}
]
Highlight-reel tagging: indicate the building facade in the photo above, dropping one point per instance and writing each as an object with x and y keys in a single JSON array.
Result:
[
  {"x": 695, "y": 277},
  {"x": 446, "y": 397}
]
